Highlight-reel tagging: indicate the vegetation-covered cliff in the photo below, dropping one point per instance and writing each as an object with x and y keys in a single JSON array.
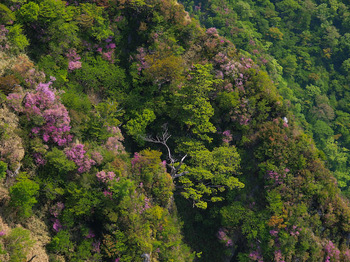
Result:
[{"x": 131, "y": 133}]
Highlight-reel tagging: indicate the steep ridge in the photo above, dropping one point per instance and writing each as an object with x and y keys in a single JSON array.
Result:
[{"x": 149, "y": 138}]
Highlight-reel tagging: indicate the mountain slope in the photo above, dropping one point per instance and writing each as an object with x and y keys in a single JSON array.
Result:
[{"x": 149, "y": 138}]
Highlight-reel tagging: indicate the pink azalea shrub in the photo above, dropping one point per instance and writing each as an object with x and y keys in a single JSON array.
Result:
[
  {"x": 141, "y": 59},
  {"x": 105, "y": 177},
  {"x": 44, "y": 109},
  {"x": 227, "y": 136},
  {"x": 57, "y": 226},
  {"x": 256, "y": 256},
  {"x": 73, "y": 59},
  {"x": 57, "y": 209},
  {"x": 332, "y": 252},
  {"x": 114, "y": 143},
  {"x": 78, "y": 155},
  {"x": 222, "y": 236}
]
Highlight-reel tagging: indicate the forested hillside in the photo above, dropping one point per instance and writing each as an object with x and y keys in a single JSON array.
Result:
[
  {"x": 304, "y": 45},
  {"x": 130, "y": 132}
]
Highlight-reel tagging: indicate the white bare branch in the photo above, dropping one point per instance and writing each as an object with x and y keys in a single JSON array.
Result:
[{"x": 172, "y": 162}]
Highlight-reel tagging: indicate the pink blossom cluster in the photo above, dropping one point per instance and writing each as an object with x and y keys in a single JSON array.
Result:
[
  {"x": 295, "y": 231},
  {"x": 15, "y": 7},
  {"x": 164, "y": 164},
  {"x": 212, "y": 31},
  {"x": 264, "y": 60},
  {"x": 346, "y": 255},
  {"x": 155, "y": 36},
  {"x": 118, "y": 18},
  {"x": 90, "y": 234},
  {"x": 141, "y": 59},
  {"x": 136, "y": 159},
  {"x": 114, "y": 143},
  {"x": 241, "y": 114},
  {"x": 227, "y": 136},
  {"x": 332, "y": 252},
  {"x": 57, "y": 226},
  {"x": 97, "y": 157},
  {"x": 109, "y": 47},
  {"x": 108, "y": 55},
  {"x": 236, "y": 70},
  {"x": 105, "y": 177},
  {"x": 57, "y": 209},
  {"x": 274, "y": 232},
  {"x": 108, "y": 194},
  {"x": 73, "y": 65},
  {"x": 46, "y": 111},
  {"x": 146, "y": 206},
  {"x": 243, "y": 120},
  {"x": 2, "y": 233},
  {"x": 276, "y": 177},
  {"x": 96, "y": 246},
  {"x": 76, "y": 153},
  {"x": 73, "y": 60},
  {"x": 222, "y": 236},
  {"x": 278, "y": 256},
  {"x": 219, "y": 74},
  {"x": 256, "y": 256}
]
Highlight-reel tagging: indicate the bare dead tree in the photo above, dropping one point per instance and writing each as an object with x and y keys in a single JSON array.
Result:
[{"x": 172, "y": 163}]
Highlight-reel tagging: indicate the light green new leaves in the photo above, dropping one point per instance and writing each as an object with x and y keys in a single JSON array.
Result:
[
  {"x": 17, "y": 38},
  {"x": 211, "y": 172},
  {"x": 29, "y": 12},
  {"x": 192, "y": 102},
  {"x": 136, "y": 127},
  {"x": 23, "y": 195}
]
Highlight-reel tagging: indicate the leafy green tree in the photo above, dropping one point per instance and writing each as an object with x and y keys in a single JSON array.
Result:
[
  {"x": 322, "y": 131},
  {"x": 289, "y": 64},
  {"x": 29, "y": 12},
  {"x": 192, "y": 106},
  {"x": 102, "y": 76},
  {"x": 50, "y": 10},
  {"x": 17, "y": 38},
  {"x": 61, "y": 243},
  {"x": 90, "y": 18},
  {"x": 163, "y": 67},
  {"x": 210, "y": 174},
  {"x": 23, "y": 195},
  {"x": 58, "y": 160},
  {"x": 136, "y": 127},
  {"x": 80, "y": 201}
]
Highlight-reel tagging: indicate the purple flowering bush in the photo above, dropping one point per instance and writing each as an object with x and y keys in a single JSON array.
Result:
[
  {"x": 44, "y": 110},
  {"x": 78, "y": 155},
  {"x": 73, "y": 60}
]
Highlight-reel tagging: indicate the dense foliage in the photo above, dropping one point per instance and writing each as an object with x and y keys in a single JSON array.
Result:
[
  {"x": 304, "y": 45},
  {"x": 135, "y": 134}
]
